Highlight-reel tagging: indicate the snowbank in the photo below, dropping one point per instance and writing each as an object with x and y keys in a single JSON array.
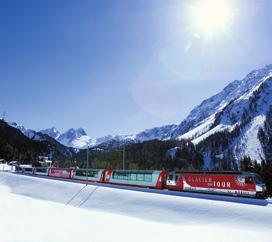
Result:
[
  {"x": 6, "y": 167},
  {"x": 107, "y": 214}
]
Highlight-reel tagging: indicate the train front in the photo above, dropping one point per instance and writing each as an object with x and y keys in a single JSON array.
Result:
[{"x": 261, "y": 190}]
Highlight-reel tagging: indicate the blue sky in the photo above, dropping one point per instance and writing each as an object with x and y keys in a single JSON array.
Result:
[{"x": 118, "y": 67}]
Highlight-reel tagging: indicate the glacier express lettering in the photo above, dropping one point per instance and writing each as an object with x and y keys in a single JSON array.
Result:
[{"x": 209, "y": 181}]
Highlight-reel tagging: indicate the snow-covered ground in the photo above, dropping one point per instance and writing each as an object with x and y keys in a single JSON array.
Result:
[
  {"x": 6, "y": 167},
  {"x": 36, "y": 209}
]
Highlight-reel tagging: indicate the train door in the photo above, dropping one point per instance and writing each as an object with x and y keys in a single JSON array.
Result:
[
  {"x": 102, "y": 178},
  {"x": 172, "y": 179},
  {"x": 107, "y": 176}
]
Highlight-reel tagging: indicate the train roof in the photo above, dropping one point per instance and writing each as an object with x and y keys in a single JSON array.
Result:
[
  {"x": 127, "y": 171},
  {"x": 89, "y": 169},
  {"x": 26, "y": 166},
  {"x": 218, "y": 172},
  {"x": 138, "y": 171}
]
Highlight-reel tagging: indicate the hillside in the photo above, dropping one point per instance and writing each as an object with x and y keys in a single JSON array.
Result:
[
  {"x": 232, "y": 124},
  {"x": 14, "y": 145},
  {"x": 153, "y": 154}
]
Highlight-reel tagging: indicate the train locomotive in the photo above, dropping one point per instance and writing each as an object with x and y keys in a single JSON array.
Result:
[{"x": 245, "y": 184}]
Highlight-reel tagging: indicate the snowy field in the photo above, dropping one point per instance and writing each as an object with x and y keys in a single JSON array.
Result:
[{"x": 36, "y": 209}]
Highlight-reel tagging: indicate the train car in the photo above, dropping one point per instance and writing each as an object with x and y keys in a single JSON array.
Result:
[
  {"x": 18, "y": 169},
  {"x": 231, "y": 183},
  {"x": 28, "y": 170},
  {"x": 41, "y": 171},
  {"x": 61, "y": 172},
  {"x": 147, "y": 179},
  {"x": 92, "y": 175}
]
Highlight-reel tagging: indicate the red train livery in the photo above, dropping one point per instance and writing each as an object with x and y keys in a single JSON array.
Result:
[
  {"x": 233, "y": 183},
  {"x": 61, "y": 172}
]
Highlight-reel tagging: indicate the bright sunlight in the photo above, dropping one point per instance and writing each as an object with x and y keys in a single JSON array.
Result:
[{"x": 211, "y": 17}]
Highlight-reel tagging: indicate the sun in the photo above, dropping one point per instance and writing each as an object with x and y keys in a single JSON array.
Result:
[{"x": 211, "y": 17}]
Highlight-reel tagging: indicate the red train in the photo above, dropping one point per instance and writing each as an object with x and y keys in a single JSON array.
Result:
[{"x": 230, "y": 183}]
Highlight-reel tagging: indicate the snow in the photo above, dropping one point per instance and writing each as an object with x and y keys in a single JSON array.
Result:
[
  {"x": 76, "y": 138},
  {"x": 33, "y": 209},
  {"x": 6, "y": 167},
  {"x": 172, "y": 152},
  {"x": 249, "y": 143},
  {"x": 52, "y": 132},
  {"x": 160, "y": 133},
  {"x": 199, "y": 130},
  {"x": 236, "y": 90},
  {"x": 231, "y": 106},
  {"x": 80, "y": 142},
  {"x": 218, "y": 128}
]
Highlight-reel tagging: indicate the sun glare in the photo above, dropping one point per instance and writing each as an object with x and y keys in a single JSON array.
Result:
[{"x": 210, "y": 17}]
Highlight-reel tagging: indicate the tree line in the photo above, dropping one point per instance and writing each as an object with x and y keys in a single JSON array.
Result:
[
  {"x": 154, "y": 154},
  {"x": 264, "y": 169}
]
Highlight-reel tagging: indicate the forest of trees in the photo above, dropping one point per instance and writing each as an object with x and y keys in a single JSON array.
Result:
[
  {"x": 154, "y": 154},
  {"x": 16, "y": 146},
  {"x": 264, "y": 169}
]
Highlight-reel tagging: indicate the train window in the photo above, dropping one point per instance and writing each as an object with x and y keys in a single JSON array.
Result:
[
  {"x": 115, "y": 175},
  {"x": 249, "y": 180},
  {"x": 170, "y": 177},
  {"x": 78, "y": 172},
  {"x": 125, "y": 176},
  {"x": 148, "y": 177},
  {"x": 93, "y": 173},
  {"x": 258, "y": 179},
  {"x": 129, "y": 176},
  {"x": 42, "y": 170},
  {"x": 120, "y": 176},
  {"x": 176, "y": 178},
  {"x": 140, "y": 177},
  {"x": 90, "y": 173},
  {"x": 133, "y": 177}
]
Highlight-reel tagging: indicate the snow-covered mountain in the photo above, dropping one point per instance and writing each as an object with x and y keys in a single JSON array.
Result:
[
  {"x": 241, "y": 113},
  {"x": 30, "y": 133},
  {"x": 52, "y": 132},
  {"x": 47, "y": 145},
  {"x": 160, "y": 133},
  {"x": 233, "y": 123},
  {"x": 76, "y": 138},
  {"x": 230, "y": 104},
  {"x": 243, "y": 105}
]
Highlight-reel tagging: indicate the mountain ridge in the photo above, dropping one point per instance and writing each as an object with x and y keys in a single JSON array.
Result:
[{"x": 240, "y": 111}]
